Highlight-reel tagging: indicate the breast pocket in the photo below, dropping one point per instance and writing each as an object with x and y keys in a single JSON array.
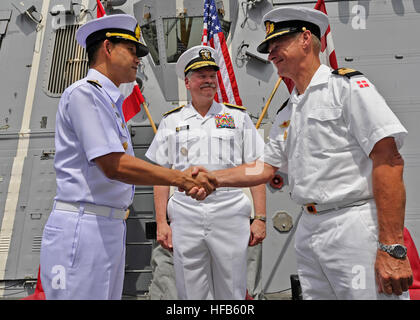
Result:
[
  {"x": 326, "y": 128},
  {"x": 187, "y": 148},
  {"x": 226, "y": 147},
  {"x": 122, "y": 129},
  {"x": 124, "y": 135}
]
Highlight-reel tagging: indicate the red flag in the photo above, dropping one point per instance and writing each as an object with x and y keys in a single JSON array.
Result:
[
  {"x": 131, "y": 104},
  {"x": 327, "y": 54},
  {"x": 213, "y": 36},
  {"x": 39, "y": 293},
  {"x": 414, "y": 260},
  {"x": 327, "y": 45},
  {"x": 100, "y": 11}
]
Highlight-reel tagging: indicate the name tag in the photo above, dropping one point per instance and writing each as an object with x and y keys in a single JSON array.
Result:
[{"x": 186, "y": 127}]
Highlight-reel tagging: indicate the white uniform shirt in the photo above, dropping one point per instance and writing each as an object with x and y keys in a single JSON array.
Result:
[
  {"x": 89, "y": 124},
  {"x": 224, "y": 138},
  {"x": 323, "y": 138}
]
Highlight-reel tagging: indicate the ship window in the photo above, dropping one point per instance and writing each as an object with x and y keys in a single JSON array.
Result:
[
  {"x": 181, "y": 34},
  {"x": 69, "y": 61},
  {"x": 150, "y": 38}
]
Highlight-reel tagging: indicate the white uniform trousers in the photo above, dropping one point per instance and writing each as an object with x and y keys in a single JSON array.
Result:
[
  {"x": 82, "y": 256},
  {"x": 336, "y": 254},
  {"x": 210, "y": 240}
]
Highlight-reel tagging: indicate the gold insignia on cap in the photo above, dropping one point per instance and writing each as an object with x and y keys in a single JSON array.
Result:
[
  {"x": 205, "y": 54},
  {"x": 269, "y": 27},
  {"x": 137, "y": 32}
]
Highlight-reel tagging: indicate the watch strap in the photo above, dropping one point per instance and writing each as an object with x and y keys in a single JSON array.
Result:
[{"x": 390, "y": 249}]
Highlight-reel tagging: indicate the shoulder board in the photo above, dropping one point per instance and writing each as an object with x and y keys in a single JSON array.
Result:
[
  {"x": 173, "y": 110},
  {"x": 95, "y": 83},
  {"x": 346, "y": 72},
  {"x": 283, "y": 106},
  {"x": 234, "y": 106}
]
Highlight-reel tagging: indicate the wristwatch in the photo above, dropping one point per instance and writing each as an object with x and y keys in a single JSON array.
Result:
[
  {"x": 262, "y": 218},
  {"x": 395, "y": 250}
]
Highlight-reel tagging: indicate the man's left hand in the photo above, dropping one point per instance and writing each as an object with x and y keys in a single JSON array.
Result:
[
  {"x": 257, "y": 232},
  {"x": 393, "y": 276}
]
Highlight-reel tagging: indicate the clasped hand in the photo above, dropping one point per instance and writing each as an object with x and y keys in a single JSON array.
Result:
[{"x": 199, "y": 183}]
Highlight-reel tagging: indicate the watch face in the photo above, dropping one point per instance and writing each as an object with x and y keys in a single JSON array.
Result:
[{"x": 399, "y": 251}]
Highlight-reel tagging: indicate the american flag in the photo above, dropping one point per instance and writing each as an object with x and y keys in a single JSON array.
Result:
[
  {"x": 213, "y": 36},
  {"x": 327, "y": 54}
]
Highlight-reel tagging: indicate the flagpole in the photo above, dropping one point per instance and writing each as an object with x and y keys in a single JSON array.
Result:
[
  {"x": 264, "y": 111},
  {"x": 150, "y": 117}
]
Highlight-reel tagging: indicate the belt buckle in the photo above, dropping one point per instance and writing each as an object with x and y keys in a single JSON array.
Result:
[
  {"x": 311, "y": 208},
  {"x": 127, "y": 213}
]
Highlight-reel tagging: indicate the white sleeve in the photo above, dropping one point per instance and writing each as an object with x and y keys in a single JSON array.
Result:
[
  {"x": 158, "y": 150},
  {"x": 370, "y": 118},
  {"x": 274, "y": 150},
  {"x": 253, "y": 143}
]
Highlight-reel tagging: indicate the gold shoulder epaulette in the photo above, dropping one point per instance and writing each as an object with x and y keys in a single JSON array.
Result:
[
  {"x": 95, "y": 83},
  {"x": 234, "y": 106},
  {"x": 283, "y": 106},
  {"x": 347, "y": 72},
  {"x": 173, "y": 110}
]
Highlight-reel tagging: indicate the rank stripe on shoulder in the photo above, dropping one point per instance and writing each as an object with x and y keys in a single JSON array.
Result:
[
  {"x": 94, "y": 83},
  {"x": 347, "y": 72},
  {"x": 173, "y": 110},
  {"x": 234, "y": 106}
]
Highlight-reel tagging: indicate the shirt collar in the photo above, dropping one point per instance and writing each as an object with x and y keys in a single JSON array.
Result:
[
  {"x": 320, "y": 76},
  {"x": 189, "y": 111},
  {"x": 110, "y": 88}
]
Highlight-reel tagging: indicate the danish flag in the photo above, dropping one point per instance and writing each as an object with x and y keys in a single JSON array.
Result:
[
  {"x": 327, "y": 45},
  {"x": 362, "y": 84}
]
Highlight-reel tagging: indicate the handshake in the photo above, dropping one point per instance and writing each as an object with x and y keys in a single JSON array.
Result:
[{"x": 197, "y": 182}]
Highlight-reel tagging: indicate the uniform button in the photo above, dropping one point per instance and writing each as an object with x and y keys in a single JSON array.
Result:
[{"x": 184, "y": 151}]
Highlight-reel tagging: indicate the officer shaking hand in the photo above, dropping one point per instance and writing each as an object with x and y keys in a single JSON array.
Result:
[{"x": 83, "y": 242}]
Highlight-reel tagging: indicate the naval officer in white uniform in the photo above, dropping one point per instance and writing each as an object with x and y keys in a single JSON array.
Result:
[
  {"x": 209, "y": 238},
  {"x": 83, "y": 244},
  {"x": 338, "y": 141}
]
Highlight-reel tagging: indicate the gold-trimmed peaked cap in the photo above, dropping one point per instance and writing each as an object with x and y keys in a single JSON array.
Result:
[
  {"x": 117, "y": 26},
  {"x": 195, "y": 58},
  {"x": 287, "y": 20}
]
